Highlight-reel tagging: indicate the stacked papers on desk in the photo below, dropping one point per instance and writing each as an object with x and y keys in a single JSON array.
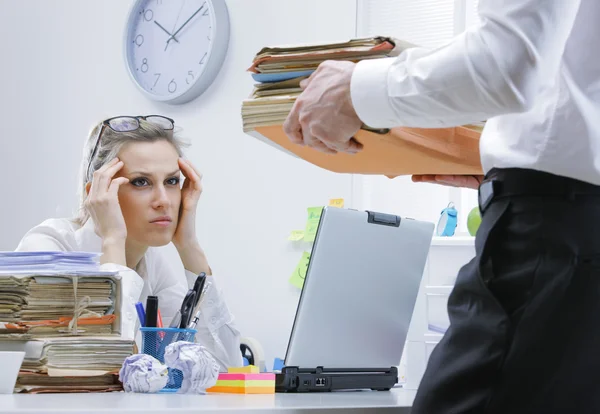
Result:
[
  {"x": 40, "y": 294},
  {"x": 32, "y": 383},
  {"x": 76, "y": 356},
  {"x": 62, "y": 310},
  {"x": 71, "y": 364}
]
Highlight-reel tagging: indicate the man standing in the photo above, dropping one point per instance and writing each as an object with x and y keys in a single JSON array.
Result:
[{"x": 525, "y": 312}]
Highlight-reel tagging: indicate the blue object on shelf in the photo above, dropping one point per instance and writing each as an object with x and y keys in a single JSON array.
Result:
[
  {"x": 278, "y": 364},
  {"x": 278, "y": 77},
  {"x": 448, "y": 221},
  {"x": 154, "y": 343}
]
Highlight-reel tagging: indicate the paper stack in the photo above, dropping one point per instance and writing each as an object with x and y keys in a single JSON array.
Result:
[
  {"x": 278, "y": 72},
  {"x": 63, "y": 311}
]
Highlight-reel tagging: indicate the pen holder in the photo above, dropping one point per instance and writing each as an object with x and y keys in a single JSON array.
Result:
[{"x": 154, "y": 343}]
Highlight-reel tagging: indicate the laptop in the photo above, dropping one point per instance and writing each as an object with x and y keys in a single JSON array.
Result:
[{"x": 357, "y": 302}]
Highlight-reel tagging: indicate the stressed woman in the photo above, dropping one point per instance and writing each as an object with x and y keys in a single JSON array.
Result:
[{"x": 131, "y": 203}]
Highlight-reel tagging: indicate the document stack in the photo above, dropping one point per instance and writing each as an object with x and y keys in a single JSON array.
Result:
[
  {"x": 278, "y": 72},
  {"x": 64, "y": 312}
]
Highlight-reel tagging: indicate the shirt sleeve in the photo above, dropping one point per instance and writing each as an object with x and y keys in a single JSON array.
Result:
[
  {"x": 216, "y": 327},
  {"x": 495, "y": 68}
]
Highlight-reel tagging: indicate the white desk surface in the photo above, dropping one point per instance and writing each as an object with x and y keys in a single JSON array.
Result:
[{"x": 397, "y": 400}]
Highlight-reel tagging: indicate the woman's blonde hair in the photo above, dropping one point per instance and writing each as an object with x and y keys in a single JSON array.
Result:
[{"x": 109, "y": 146}]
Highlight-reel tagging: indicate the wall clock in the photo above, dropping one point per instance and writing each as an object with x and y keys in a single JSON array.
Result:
[{"x": 174, "y": 49}]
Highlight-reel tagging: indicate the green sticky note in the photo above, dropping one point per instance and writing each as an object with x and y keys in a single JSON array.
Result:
[
  {"x": 296, "y": 235},
  {"x": 312, "y": 223},
  {"x": 297, "y": 278}
]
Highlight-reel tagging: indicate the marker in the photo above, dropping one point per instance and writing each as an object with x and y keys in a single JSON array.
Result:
[{"x": 141, "y": 314}]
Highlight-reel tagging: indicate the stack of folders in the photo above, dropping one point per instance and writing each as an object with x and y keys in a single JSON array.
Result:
[
  {"x": 62, "y": 310},
  {"x": 279, "y": 71}
]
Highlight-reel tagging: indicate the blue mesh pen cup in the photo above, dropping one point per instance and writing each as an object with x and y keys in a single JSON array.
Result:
[{"x": 154, "y": 343}]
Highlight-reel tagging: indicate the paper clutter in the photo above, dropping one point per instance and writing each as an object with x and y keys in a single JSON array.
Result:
[{"x": 244, "y": 383}]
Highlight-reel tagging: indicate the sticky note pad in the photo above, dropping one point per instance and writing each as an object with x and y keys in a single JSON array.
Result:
[
  {"x": 336, "y": 202},
  {"x": 248, "y": 369},
  {"x": 297, "y": 278},
  {"x": 245, "y": 383},
  {"x": 312, "y": 223},
  {"x": 296, "y": 235}
]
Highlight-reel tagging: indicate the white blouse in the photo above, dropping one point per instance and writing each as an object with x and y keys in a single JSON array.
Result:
[{"x": 153, "y": 276}]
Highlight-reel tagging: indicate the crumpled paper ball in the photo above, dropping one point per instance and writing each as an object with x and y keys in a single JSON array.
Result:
[
  {"x": 199, "y": 368},
  {"x": 143, "y": 373}
]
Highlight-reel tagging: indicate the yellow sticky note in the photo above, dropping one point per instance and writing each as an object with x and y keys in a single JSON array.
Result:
[
  {"x": 299, "y": 274},
  {"x": 296, "y": 235},
  {"x": 336, "y": 202},
  {"x": 314, "y": 215}
]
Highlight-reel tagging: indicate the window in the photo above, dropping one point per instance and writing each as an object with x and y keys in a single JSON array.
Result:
[{"x": 428, "y": 23}]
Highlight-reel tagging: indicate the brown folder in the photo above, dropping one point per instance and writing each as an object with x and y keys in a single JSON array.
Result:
[{"x": 395, "y": 152}]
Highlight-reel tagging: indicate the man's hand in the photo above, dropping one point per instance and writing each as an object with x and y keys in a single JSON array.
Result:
[
  {"x": 323, "y": 116},
  {"x": 465, "y": 181}
]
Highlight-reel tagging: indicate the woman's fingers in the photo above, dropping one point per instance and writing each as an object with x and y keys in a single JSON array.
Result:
[
  {"x": 190, "y": 172},
  {"x": 103, "y": 176},
  {"x": 116, "y": 183}
]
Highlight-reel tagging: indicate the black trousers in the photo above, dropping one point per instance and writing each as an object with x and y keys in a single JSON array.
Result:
[{"x": 524, "y": 332}]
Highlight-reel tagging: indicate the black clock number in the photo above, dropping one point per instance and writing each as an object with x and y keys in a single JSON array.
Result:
[
  {"x": 139, "y": 40},
  {"x": 190, "y": 75},
  {"x": 148, "y": 14},
  {"x": 172, "y": 86},
  {"x": 144, "y": 67},
  {"x": 203, "y": 57},
  {"x": 157, "y": 78}
]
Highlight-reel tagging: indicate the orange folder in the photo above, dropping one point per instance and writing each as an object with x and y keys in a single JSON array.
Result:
[{"x": 399, "y": 151}]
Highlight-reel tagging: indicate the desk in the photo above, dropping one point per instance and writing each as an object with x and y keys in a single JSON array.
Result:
[{"x": 397, "y": 400}]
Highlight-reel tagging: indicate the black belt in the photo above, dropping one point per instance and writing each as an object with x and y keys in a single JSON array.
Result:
[{"x": 523, "y": 182}]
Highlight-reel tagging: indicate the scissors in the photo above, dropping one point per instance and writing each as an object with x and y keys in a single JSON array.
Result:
[
  {"x": 198, "y": 287},
  {"x": 187, "y": 307}
]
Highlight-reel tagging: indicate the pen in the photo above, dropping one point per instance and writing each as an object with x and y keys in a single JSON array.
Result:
[
  {"x": 159, "y": 324},
  {"x": 192, "y": 325},
  {"x": 151, "y": 339},
  {"x": 151, "y": 311},
  {"x": 141, "y": 314}
]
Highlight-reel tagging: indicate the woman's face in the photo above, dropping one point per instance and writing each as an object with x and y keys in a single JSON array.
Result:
[{"x": 150, "y": 200}]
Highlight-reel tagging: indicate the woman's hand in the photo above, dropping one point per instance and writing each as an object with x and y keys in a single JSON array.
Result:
[
  {"x": 102, "y": 204},
  {"x": 464, "y": 181},
  {"x": 185, "y": 239}
]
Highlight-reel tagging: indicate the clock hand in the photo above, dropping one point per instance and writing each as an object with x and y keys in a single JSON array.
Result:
[
  {"x": 166, "y": 31},
  {"x": 186, "y": 22}
]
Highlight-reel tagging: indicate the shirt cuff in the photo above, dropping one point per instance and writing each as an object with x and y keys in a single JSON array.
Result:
[
  {"x": 214, "y": 310},
  {"x": 370, "y": 95}
]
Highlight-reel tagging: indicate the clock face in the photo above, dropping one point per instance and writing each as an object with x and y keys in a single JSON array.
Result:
[{"x": 170, "y": 45}]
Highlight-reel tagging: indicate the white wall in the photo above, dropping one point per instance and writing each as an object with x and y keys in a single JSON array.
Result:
[{"x": 63, "y": 71}]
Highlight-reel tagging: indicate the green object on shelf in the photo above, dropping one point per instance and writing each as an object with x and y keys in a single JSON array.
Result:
[{"x": 473, "y": 221}]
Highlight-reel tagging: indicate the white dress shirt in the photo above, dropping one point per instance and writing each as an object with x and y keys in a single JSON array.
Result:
[
  {"x": 530, "y": 68},
  {"x": 153, "y": 276}
]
